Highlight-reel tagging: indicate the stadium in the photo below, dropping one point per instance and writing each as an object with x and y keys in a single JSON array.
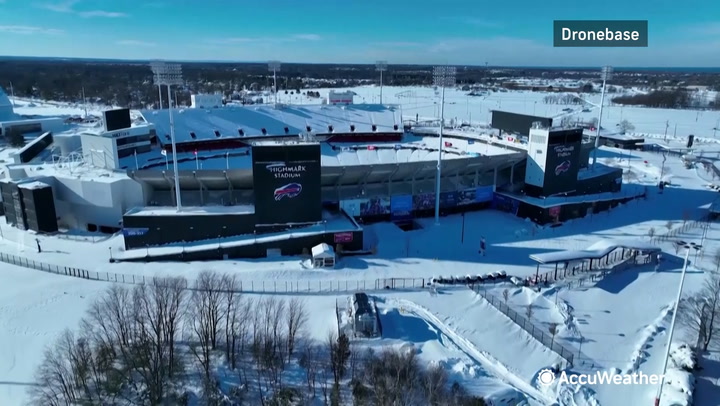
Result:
[{"x": 278, "y": 179}]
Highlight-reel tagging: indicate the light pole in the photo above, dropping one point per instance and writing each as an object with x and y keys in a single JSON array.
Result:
[
  {"x": 605, "y": 74},
  {"x": 442, "y": 76},
  {"x": 688, "y": 247},
  {"x": 381, "y": 66},
  {"x": 169, "y": 74},
  {"x": 274, "y": 67}
]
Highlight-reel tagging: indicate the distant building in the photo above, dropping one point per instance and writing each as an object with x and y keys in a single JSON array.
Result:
[
  {"x": 206, "y": 101},
  {"x": 6, "y": 107},
  {"x": 340, "y": 97}
]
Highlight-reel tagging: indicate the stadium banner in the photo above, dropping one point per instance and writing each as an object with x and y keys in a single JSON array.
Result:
[
  {"x": 424, "y": 201},
  {"x": 466, "y": 197},
  {"x": 484, "y": 194},
  {"x": 343, "y": 237},
  {"x": 376, "y": 206},
  {"x": 449, "y": 199},
  {"x": 401, "y": 207},
  {"x": 352, "y": 206},
  {"x": 506, "y": 204},
  {"x": 286, "y": 182}
]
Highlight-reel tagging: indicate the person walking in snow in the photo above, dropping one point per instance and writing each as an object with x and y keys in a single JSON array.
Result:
[
  {"x": 37, "y": 241},
  {"x": 657, "y": 263},
  {"x": 482, "y": 246}
]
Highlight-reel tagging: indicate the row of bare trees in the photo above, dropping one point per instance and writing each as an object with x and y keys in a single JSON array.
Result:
[
  {"x": 563, "y": 99},
  {"x": 168, "y": 342},
  {"x": 700, "y": 313}
]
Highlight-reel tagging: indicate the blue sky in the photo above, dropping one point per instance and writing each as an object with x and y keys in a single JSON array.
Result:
[{"x": 459, "y": 32}]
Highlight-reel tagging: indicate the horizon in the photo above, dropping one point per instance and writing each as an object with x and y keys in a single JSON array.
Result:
[{"x": 317, "y": 31}]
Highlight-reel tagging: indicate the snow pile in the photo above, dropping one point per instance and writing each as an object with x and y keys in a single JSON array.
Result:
[{"x": 679, "y": 379}]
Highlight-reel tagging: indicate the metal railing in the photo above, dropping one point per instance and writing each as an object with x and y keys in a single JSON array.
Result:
[{"x": 540, "y": 334}]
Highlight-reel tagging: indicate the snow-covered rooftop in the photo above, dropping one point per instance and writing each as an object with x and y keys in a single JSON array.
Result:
[
  {"x": 190, "y": 211},
  {"x": 33, "y": 185},
  {"x": 595, "y": 251},
  {"x": 229, "y": 120}
]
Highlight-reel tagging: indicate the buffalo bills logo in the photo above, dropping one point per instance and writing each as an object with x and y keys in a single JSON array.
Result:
[
  {"x": 290, "y": 190},
  {"x": 563, "y": 167}
]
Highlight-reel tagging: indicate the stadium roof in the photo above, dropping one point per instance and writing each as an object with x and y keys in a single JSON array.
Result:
[{"x": 252, "y": 120}]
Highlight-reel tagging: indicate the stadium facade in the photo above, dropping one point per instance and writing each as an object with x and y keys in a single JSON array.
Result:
[{"x": 281, "y": 177}]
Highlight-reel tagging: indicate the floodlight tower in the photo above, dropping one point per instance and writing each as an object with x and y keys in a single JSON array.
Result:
[
  {"x": 605, "y": 75},
  {"x": 274, "y": 67},
  {"x": 169, "y": 74},
  {"x": 153, "y": 66},
  {"x": 381, "y": 66},
  {"x": 442, "y": 76}
]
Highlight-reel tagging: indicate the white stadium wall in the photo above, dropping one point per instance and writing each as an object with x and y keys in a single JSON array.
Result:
[
  {"x": 537, "y": 155},
  {"x": 100, "y": 152}
]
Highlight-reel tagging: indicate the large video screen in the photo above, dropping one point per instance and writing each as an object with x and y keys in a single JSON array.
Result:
[
  {"x": 117, "y": 119},
  {"x": 563, "y": 163},
  {"x": 516, "y": 123},
  {"x": 286, "y": 182}
]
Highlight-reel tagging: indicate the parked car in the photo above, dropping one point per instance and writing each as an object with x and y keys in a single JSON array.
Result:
[
  {"x": 502, "y": 275},
  {"x": 517, "y": 281}
]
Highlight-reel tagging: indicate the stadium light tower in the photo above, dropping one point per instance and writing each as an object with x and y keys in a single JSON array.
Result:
[
  {"x": 605, "y": 74},
  {"x": 442, "y": 76},
  {"x": 688, "y": 246},
  {"x": 274, "y": 67},
  {"x": 381, "y": 66},
  {"x": 169, "y": 74}
]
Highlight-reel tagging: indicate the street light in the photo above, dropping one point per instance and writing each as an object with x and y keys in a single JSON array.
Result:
[
  {"x": 274, "y": 67},
  {"x": 688, "y": 246},
  {"x": 381, "y": 66},
  {"x": 605, "y": 74},
  {"x": 169, "y": 74},
  {"x": 442, "y": 76}
]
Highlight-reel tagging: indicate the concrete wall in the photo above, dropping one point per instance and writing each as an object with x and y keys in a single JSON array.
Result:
[{"x": 100, "y": 152}]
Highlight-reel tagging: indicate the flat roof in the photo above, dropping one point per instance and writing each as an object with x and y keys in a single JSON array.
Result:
[
  {"x": 190, "y": 211},
  {"x": 595, "y": 251},
  {"x": 228, "y": 120},
  {"x": 628, "y": 190}
]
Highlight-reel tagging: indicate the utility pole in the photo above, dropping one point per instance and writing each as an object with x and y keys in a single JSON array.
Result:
[
  {"x": 12, "y": 93},
  {"x": 605, "y": 74},
  {"x": 84, "y": 101}
]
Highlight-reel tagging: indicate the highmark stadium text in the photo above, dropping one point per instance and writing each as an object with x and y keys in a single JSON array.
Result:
[{"x": 287, "y": 172}]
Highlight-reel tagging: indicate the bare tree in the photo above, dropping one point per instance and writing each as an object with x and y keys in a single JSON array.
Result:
[
  {"x": 716, "y": 260},
  {"x": 212, "y": 284},
  {"x": 626, "y": 126},
  {"x": 506, "y": 295},
  {"x": 232, "y": 312},
  {"x": 339, "y": 349},
  {"x": 310, "y": 361},
  {"x": 651, "y": 232},
  {"x": 199, "y": 327},
  {"x": 700, "y": 313},
  {"x": 296, "y": 320},
  {"x": 55, "y": 378},
  {"x": 669, "y": 225},
  {"x": 529, "y": 311}
]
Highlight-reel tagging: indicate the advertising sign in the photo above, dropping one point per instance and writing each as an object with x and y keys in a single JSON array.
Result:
[
  {"x": 484, "y": 194},
  {"x": 448, "y": 199},
  {"x": 134, "y": 232},
  {"x": 376, "y": 206},
  {"x": 343, "y": 237},
  {"x": 561, "y": 169},
  {"x": 466, "y": 196},
  {"x": 286, "y": 183},
  {"x": 401, "y": 207},
  {"x": 424, "y": 201}
]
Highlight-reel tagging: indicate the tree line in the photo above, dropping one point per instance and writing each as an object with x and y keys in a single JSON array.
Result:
[
  {"x": 171, "y": 343},
  {"x": 679, "y": 98}
]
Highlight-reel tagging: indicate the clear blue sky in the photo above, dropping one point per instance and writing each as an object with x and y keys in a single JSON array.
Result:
[{"x": 460, "y": 32}]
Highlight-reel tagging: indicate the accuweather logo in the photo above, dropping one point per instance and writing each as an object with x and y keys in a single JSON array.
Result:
[{"x": 546, "y": 377}]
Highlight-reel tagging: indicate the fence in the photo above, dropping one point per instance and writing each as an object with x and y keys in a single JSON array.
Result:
[
  {"x": 269, "y": 286},
  {"x": 542, "y": 335},
  {"x": 687, "y": 226}
]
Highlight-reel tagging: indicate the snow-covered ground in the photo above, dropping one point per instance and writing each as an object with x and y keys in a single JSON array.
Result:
[{"x": 620, "y": 321}]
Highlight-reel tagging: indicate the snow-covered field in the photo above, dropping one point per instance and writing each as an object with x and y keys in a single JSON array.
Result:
[{"x": 621, "y": 321}]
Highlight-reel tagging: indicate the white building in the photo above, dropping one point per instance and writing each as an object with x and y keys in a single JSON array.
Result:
[{"x": 206, "y": 101}]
